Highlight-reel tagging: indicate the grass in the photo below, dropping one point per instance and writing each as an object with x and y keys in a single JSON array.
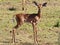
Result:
[{"x": 47, "y": 33}]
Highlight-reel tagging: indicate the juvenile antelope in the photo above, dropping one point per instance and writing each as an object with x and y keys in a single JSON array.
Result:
[{"x": 31, "y": 18}]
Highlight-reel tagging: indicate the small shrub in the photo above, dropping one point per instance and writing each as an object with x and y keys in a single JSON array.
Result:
[
  {"x": 57, "y": 24},
  {"x": 12, "y": 9}
]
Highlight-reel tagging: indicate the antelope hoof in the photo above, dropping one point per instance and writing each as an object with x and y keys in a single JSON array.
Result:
[{"x": 35, "y": 43}]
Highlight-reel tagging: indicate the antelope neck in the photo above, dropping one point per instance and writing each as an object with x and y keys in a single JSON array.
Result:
[{"x": 39, "y": 12}]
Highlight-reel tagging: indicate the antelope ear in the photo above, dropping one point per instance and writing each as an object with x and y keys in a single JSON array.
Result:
[
  {"x": 35, "y": 3},
  {"x": 44, "y": 4}
]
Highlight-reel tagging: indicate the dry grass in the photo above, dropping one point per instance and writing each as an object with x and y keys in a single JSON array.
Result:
[{"x": 47, "y": 33}]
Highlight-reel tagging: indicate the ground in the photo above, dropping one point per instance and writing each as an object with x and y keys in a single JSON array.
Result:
[{"x": 48, "y": 32}]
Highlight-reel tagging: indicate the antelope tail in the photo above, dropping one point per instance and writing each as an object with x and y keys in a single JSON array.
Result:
[{"x": 13, "y": 18}]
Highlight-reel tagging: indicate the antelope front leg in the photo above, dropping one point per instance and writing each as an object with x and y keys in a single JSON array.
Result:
[{"x": 35, "y": 35}]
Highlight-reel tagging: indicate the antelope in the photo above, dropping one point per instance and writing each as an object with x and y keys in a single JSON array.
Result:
[{"x": 31, "y": 18}]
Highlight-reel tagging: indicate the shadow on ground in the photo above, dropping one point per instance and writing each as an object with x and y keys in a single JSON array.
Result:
[
  {"x": 4, "y": 41},
  {"x": 26, "y": 43}
]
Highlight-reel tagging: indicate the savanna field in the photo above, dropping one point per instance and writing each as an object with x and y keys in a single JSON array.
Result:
[{"x": 48, "y": 26}]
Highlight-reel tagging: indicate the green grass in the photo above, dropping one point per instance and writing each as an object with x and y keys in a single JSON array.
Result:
[{"x": 47, "y": 33}]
